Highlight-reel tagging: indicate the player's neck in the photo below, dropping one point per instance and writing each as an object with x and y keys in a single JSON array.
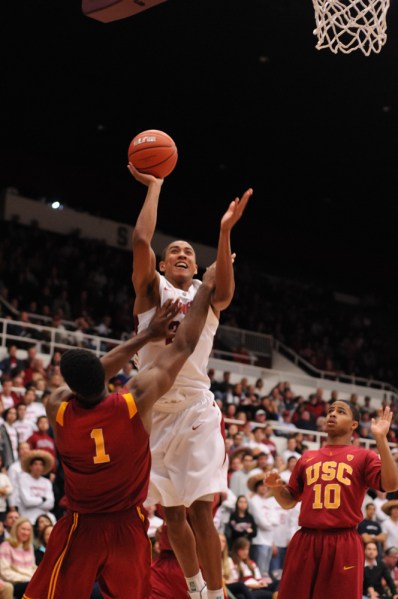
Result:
[
  {"x": 339, "y": 439},
  {"x": 183, "y": 285}
]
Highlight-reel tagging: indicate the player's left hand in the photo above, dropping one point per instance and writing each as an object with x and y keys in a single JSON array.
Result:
[
  {"x": 235, "y": 211},
  {"x": 380, "y": 426},
  {"x": 158, "y": 327}
]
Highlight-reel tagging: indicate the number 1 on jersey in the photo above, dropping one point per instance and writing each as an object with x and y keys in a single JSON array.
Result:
[{"x": 100, "y": 456}]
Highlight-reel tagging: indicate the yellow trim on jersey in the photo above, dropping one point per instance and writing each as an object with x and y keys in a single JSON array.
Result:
[
  {"x": 131, "y": 405},
  {"x": 57, "y": 567},
  {"x": 61, "y": 411}
]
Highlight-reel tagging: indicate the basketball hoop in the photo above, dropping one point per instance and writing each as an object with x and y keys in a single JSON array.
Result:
[{"x": 348, "y": 25}]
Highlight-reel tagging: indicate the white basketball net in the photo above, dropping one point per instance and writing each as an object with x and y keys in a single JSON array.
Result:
[{"x": 348, "y": 25}]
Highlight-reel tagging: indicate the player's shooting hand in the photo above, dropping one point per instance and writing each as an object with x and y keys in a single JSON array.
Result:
[
  {"x": 158, "y": 328},
  {"x": 273, "y": 480},
  {"x": 142, "y": 177},
  {"x": 380, "y": 426},
  {"x": 235, "y": 211}
]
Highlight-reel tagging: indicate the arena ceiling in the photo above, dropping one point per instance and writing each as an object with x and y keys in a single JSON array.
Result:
[{"x": 249, "y": 102}]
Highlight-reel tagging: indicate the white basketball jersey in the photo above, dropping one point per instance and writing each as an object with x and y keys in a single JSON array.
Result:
[{"x": 193, "y": 375}]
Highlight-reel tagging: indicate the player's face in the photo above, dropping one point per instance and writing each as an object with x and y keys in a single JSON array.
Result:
[
  {"x": 339, "y": 419},
  {"x": 179, "y": 262}
]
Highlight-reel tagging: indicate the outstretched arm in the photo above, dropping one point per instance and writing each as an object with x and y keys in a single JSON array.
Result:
[
  {"x": 158, "y": 328},
  {"x": 279, "y": 490},
  {"x": 148, "y": 386},
  {"x": 379, "y": 429},
  {"x": 144, "y": 260},
  {"x": 225, "y": 281}
]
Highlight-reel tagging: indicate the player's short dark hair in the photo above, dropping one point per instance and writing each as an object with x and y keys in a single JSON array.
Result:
[
  {"x": 354, "y": 411},
  {"x": 83, "y": 372}
]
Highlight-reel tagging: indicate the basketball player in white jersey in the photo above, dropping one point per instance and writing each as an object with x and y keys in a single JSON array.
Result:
[{"x": 189, "y": 463}]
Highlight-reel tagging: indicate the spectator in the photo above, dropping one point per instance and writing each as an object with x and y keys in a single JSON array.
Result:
[
  {"x": 36, "y": 491},
  {"x": 41, "y": 439},
  {"x": 390, "y": 558},
  {"x": 390, "y": 526},
  {"x": 43, "y": 538},
  {"x": 14, "y": 472},
  {"x": 40, "y": 523},
  {"x": 291, "y": 462},
  {"x": 9, "y": 437},
  {"x": 238, "y": 480},
  {"x": 5, "y": 491},
  {"x": 12, "y": 516},
  {"x": 34, "y": 408},
  {"x": 238, "y": 590},
  {"x": 23, "y": 425},
  {"x": 241, "y": 522},
  {"x": 287, "y": 421},
  {"x": 235, "y": 464},
  {"x": 266, "y": 518},
  {"x": 379, "y": 501},
  {"x": 247, "y": 571},
  {"x": 291, "y": 449},
  {"x": 11, "y": 365},
  {"x": 376, "y": 574},
  {"x": 17, "y": 561},
  {"x": 370, "y": 530},
  {"x": 54, "y": 364},
  {"x": 223, "y": 511},
  {"x": 258, "y": 445},
  {"x": 7, "y": 395}
]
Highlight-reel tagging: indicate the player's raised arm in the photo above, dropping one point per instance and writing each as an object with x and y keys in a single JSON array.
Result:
[
  {"x": 379, "y": 428},
  {"x": 148, "y": 386},
  {"x": 225, "y": 280},
  {"x": 144, "y": 274}
]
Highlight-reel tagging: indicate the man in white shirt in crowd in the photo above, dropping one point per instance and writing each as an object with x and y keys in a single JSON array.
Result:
[
  {"x": 23, "y": 425},
  {"x": 238, "y": 480},
  {"x": 34, "y": 408},
  {"x": 36, "y": 491},
  {"x": 262, "y": 508},
  {"x": 390, "y": 526}
]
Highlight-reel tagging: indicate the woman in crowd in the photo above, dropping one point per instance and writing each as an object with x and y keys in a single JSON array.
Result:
[
  {"x": 43, "y": 537},
  {"x": 247, "y": 571},
  {"x": 40, "y": 524},
  {"x": 235, "y": 590},
  {"x": 241, "y": 522},
  {"x": 17, "y": 558}
]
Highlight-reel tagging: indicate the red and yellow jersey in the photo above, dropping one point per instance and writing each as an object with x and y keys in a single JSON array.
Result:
[
  {"x": 105, "y": 454},
  {"x": 331, "y": 483}
]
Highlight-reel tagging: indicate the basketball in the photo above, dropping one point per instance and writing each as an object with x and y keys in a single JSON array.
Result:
[{"x": 153, "y": 152}]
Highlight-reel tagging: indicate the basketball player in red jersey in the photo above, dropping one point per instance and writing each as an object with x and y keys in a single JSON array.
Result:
[
  {"x": 189, "y": 464},
  {"x": 103, "y": 442},
  {"x": 325, "y": 558}
]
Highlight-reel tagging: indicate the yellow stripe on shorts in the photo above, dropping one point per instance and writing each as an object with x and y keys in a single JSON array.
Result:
[{"x": 55, "y": 574}]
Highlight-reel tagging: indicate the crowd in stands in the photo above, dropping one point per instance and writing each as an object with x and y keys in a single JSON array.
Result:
[{"x": 79, "y": 280}]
